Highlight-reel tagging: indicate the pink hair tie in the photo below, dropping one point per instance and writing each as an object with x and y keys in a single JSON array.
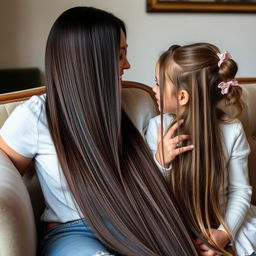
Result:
[
  {"x": 223, "y": 56},
  {"x": 224, "y": 86}
]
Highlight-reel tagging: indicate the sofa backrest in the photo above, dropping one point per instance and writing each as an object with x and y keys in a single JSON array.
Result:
[
  {"x": 248, "y": 119},
  {"x": 139, "y": 103}
]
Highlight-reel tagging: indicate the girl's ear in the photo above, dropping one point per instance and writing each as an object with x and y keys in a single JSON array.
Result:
[{"x": 183, "y": 97}]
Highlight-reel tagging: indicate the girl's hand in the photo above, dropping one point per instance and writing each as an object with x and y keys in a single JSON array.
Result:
[
  {"x": 220, "y": 237},
  {"x": 170, "y": 149}
]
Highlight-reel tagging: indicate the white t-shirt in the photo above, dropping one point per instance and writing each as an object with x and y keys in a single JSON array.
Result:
[
  {"x": 26, "y": 132},
  {"x": 237, "y": 190}
]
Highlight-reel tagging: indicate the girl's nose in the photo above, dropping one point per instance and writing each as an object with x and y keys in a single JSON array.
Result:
[{"x": 155, "y": 88}]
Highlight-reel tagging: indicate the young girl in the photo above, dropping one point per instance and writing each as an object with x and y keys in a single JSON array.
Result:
[
  {"x": 103, "y": 193},
  {"x": 209, "y": 176}
]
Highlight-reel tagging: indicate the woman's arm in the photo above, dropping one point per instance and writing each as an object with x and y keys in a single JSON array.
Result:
[
  {"x": 20, "y": 162},
  {"x": 19, "y": 134}
]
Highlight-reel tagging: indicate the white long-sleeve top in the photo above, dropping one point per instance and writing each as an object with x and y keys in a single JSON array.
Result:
[{"x": 237, "y": 190}]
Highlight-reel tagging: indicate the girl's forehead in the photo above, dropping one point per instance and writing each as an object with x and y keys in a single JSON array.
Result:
[{"x": 157, "y": 67}]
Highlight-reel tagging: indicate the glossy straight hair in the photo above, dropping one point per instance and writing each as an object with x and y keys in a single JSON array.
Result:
[
  {"x": 197, "y": 176},
  {"x": 109, "y": 169}
]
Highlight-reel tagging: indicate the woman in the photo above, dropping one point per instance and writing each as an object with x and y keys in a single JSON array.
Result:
[{"x": 99, "y": 180}]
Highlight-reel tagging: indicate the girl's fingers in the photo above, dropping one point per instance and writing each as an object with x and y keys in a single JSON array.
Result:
[
  {"x": 179, "y": 151},
  {"x": 176, "y": 140}
]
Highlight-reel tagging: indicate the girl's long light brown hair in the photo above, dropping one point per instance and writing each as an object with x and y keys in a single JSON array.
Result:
[
  {"x": 109, "y": 170},
  {"x": 197, "y": 176}
]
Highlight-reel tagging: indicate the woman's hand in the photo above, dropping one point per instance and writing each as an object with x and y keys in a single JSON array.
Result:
[
  {"x": 169, "y": 148},
  {"x": 220, "y": 237}
]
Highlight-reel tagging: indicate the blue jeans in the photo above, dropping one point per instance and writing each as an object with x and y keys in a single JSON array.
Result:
[{"x": 72, "y": 239}]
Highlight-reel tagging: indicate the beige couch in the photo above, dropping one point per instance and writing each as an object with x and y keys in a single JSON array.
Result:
[{"x": 21, "y": 201}]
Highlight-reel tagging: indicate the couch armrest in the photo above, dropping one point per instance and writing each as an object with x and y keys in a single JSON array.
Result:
[{"x": 17, "y": 228}]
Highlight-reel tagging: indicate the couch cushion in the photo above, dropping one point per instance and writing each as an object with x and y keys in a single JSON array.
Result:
[
  {"x": 18, "y": 234},
  {"x": 30, "y": 178},
  {"x": 248, "y": 119},
  {"x": 6, "y": 110}
]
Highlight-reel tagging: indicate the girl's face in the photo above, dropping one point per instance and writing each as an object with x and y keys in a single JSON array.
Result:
[
  {"x": 123, "y": 61},
  {"x": 169, "y": 96}
]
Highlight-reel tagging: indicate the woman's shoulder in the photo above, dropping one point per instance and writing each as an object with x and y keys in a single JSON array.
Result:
[
  {"x": 35, "y": 103},
  {"x": 30, "y": 111}
]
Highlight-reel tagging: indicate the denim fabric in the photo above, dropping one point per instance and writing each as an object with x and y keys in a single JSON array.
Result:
[{"x": 72, "y": 238}]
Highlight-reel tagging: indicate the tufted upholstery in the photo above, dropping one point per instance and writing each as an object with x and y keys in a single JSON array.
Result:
[
  {"x": 6, "y": 110},
  {"x": 17, "y": 233},
  {"x": 21, "y": 201},
  {"x": 248, "y": 119}
]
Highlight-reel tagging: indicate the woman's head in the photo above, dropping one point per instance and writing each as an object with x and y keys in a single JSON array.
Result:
[
  {"x": 85, "y": 59},
  {"x": 86, "y": 47},
  {"x": 180, "y": 65}
]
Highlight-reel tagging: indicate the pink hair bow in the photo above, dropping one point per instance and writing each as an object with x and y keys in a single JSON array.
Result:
[
  {"x": 224, "y": 86},
  {"x": 223, "y": 56}
]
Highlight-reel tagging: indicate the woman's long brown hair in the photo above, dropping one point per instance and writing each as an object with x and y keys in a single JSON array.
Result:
[
  {"x": 109, "y": 170},
  {"x": 197, "y": 176}
]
